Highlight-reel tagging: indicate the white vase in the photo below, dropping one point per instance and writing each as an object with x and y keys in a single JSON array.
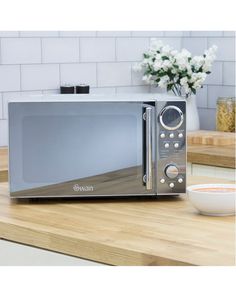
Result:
[{"x": 192, "y": 115}]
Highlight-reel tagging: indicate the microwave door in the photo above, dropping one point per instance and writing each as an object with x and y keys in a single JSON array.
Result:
[{"x": 81, "y": 149}]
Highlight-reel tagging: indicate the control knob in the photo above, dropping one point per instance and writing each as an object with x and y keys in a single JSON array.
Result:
[{"x": 171, "y": 171}]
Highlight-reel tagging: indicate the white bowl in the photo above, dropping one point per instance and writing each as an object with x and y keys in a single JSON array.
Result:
[{"x": 213, "y": 202}]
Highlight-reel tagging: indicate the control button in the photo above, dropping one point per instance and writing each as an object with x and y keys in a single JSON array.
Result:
[
  {"x": 176, "y": 145},
  {"x": 180, "y": 180},
  {"x": 162, "y": 135},
  {"x": 171, "y": 135},
  {"x": 162, "y": 181},
  {"x": 180, "y": 135},
  {"x": 167, "y": 145},
  {"x": 172, "y": 185},
  {"x": 171, "y": 171}
]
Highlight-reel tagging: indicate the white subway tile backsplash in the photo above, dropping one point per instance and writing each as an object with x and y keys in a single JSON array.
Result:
[
  {"x": 157, "y": 90},
  {"x": 186, "y": 33},
  {"x": 37, "y": 77},
  {"x": 229, "y": 33},
  {"x": 226, "y": 48},
  {"x": 9, "y": 77},
  {"x": 39, "y": 61},
  {"x": 9, "y": 33},
  {"x": 201, "y": 97},
  {"x": 207, "y": 119},
  {"x": 15, "y": 96},
  {"x": 114, "y": 33},
  {"x": 131, "y": 49},
  {"x": 229, "y": 73},
  {"x": 206, "y": 33},
  {"x": 20, "y": 50},
  {"x": 3, "y": 132},
  {"x": 102, "y": 90},
  {"x": 133, "y": 89},
  {"x": 97, "y": 49},
  {"x": 1, "y": 106},
  {"x": 196, "y": 46},
  {"x": 216, "y": 76},
  {"x": 60, "y": 50},
  {"x": 174, "y": 33},
  {"x": 147, "y": 33},
  {"x": 39, "y": 33},
  {"x": 77, "y": 33},
  {"x": 216, "y": 91},
  {"x": 51, "y": 91},
  {"x": 114, "y": 74},
  {"x": 79, "y": 73}
]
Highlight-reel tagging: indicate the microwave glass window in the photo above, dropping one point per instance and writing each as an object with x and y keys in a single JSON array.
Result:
[{"x": 60, "y": 148}]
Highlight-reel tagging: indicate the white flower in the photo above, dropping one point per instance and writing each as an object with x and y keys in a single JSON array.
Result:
[
  {"x": 148, "y": 79},
  {"x": 156, "y": 44},
  {"x": 185, "y": 53},
  {"x": 166, "y": 65},
  {"x": 163, "y": 81},
  {"x": 174, "y": 52},
  {"x": 187, "y": 73},
  {"x": 184, "y": 81},
  {"x": 147, "y": 61},
  {"x": 197, "y": 62},
  {"x": 166, "y": 49},
  {"x": 211, "y": 51},
  {"x": 197, "y": 79},
  {"x": 207, "y": 66},
  {"x": 158, "y": 56},
  {"x": 181, "y": 60}
]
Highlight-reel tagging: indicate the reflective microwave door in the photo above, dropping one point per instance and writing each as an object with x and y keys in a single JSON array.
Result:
[{"x": 79, "y": 148}]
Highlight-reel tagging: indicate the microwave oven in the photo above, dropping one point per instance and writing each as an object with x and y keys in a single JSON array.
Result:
[{"x": 97, "y": 145}]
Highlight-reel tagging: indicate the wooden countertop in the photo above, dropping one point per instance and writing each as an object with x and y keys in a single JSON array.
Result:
[
  {"x": 138, "y": 231},
  {"x": 3, "y": 164}
]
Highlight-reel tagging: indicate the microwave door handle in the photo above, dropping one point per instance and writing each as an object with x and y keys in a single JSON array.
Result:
[{"x": 147, "y": 178}]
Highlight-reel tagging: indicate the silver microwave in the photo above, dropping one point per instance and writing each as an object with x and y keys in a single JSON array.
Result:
[{"x": 97, "y": 145}]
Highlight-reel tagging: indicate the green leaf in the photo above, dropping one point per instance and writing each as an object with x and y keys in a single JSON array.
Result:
[
  {"x": 164, "y": 58},
  {"x": 169, "y": 87}
]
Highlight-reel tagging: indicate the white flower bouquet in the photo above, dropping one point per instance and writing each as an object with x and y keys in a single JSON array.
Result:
[{"x": 176, "y": 71}]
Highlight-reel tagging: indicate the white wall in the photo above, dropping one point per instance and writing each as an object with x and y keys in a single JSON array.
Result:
[{"x": 39, "y": 62}]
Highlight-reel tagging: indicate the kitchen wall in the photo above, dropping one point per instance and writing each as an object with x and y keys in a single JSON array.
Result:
[{"x": 39, "y": 62}]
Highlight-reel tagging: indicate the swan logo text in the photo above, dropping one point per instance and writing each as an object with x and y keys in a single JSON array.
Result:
[{"x": 79, "y": 188}]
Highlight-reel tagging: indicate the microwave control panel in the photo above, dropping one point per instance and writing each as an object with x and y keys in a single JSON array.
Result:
[{"x": 171, "y": 147}]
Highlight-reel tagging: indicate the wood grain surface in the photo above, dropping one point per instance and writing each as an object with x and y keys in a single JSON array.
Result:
[
  {"x": 128, "y": 231},
  {"x": 221, "y": 156},
  {"x": 3, "y": 164},
  {"x": 214, "y": 138}
]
